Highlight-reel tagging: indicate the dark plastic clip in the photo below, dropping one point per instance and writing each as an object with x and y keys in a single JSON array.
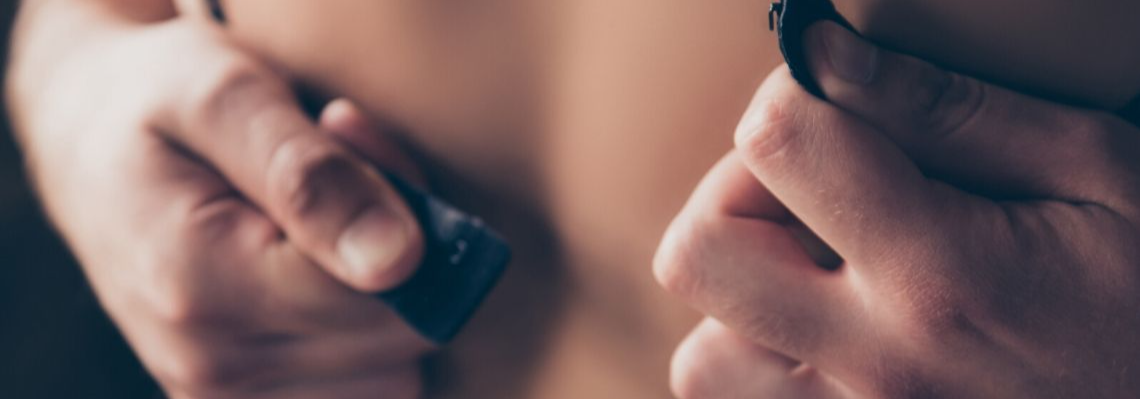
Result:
[{"x": 463, "y": 259}]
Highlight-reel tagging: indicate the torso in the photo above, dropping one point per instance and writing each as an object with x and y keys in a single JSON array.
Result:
[
  {"x": 600, "y": 149},
  {"x": 576, "y": 127}
]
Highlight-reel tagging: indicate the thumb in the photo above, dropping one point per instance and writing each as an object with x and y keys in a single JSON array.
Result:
[
  {"x": 243, "y": 120},
  {"x": 972, "y": 134}
]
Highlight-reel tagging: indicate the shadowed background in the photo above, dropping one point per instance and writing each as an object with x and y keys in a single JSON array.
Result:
[{"x": 55, "y": 342}]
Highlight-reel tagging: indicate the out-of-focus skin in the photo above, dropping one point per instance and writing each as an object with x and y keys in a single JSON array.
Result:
[
  {"x": 594, "y": 114},
  {"x": 598, "y": 117},
  {"x": 578, "y": 127},
  {"x": 236, "y": 242}
]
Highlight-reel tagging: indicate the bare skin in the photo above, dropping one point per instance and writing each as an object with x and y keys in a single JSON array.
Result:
[
  {"x": 198, "y": 203},
  {"x": 615, "y": 328},
  {"x": 989, "y": 238},
  {"x": 577, "y": 127},
  {"x": 603, "y": 79}
]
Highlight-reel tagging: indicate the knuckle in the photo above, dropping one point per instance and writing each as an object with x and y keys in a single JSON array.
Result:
[
  {"x": 1095, "y": 139},
  {"x": 693, "y": 370},
  {"x": 690, "y": 383},
  {"x": 714, "y": 362},
  {"x": 1095, "y": 127},
  {"x": 941, "y": 280},
  {"x": 300, "y": 168},
  {"x": 677, "y": 265},
  {"x": 940, "y": 323},
  {"x": 179, "y": 264},
  {"x": 196, "y": 372},
  {"x": 185, "y": 306},
  {"x": 209, "y": 221},
  {"x": 772, "y": 131},
  {"x": 946, "y": 103},
  {"x": 789, "y": 332},
  {"x": 1091, "y": 139},
  {"x": 172, "y": 294},
  {"x": 950, "y": 314},
  {"x": 1104, "y": 147},
  {"x": 930, "y": 305},
  {"x": 231, "y": 84}
]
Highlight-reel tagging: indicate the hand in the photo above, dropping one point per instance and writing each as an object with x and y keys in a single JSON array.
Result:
[
  {"x": 991, "y": 242},
  {"x": 234, "y": 243}
]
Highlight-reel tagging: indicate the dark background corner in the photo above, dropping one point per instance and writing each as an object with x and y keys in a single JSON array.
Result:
[{"x": 55, "y": 341}]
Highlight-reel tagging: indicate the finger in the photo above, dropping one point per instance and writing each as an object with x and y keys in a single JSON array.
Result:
[
  {"x": 219, "y": 261},
  {"x": 179, "y": 208},
  {"x": 210, "y": 259},
  {"x": 845, "y": 180},
  {"x": 347, "y": 123},
  {"x": 245, "y": 320},
  {"x": 715, "y": 362},
  {"x": 175, "y": 207},
  {"x": 737, "y": 193},
  {"x": 243, "y": 120},
  {"x": 974, "y": 134},
  {"x": 730, "y": 189},
  {"x": 193, "y": 246},
  {"x": 754, "y": 276}
]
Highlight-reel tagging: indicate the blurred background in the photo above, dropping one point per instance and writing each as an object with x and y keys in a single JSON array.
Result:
[{"x": 55, "y": 342}]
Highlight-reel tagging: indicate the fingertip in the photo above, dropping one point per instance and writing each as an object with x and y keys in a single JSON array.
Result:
[
  {"x": 815, "y": 52},
  {"x": 342, "y": 116},
  {"x": 348, "y": 123},
  {"x": 687, "y": 375},
  {"x": 380, "y": 249},
  {"x": 847, "y": 68},
  {"x": 714, "y": 361}
]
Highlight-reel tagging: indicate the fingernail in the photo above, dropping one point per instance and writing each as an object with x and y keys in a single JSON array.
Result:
[
  {"x": 852, "y": 58},
  {"x": 374, "y": 242}
]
